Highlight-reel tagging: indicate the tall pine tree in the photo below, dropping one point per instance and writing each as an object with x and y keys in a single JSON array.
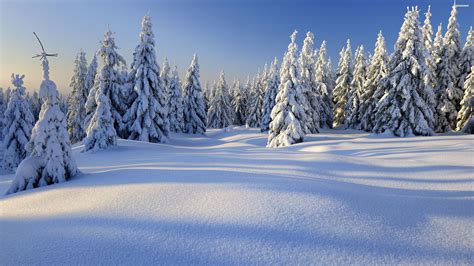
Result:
[
  {"x": 467, "y": 58},
  {"x": 220, "y": 114},
  {"x": 270, "y": 95},
  {"x": 287, "y": 114},
  {"x": 147, "y": 118},
  {"x": 100, "y": 120},
  {"x": 356, "y": 90},
  {"x": 49, "y": 146},
  {"x": 194, "y": 109},
  {"x": 405, "y": 108},
  {"x": 465, "y": 119},
  {"x": 343, "y": 84},
  {"x": 448, "y": 92},
  {"x": 312, "y": 104},
  {"x": 18, "y": 123},
  {"x": 324, "y": 86},
  {"x": 77, "y": 100},
  {"x": 175, "y": 102},
  {"x": 371, "y": 95},
  {"x": 254, "y": 115}
]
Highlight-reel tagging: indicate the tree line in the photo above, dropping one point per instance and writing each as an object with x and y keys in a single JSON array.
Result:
[{"x": 424, "y": 87}]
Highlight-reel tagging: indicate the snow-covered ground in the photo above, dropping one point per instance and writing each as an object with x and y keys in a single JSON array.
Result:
[{"x": 341, "y": 197}]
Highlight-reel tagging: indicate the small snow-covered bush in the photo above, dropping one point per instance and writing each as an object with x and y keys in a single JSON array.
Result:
[{"x": 27, "y": 175}]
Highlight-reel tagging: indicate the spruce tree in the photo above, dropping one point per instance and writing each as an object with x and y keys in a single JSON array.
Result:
[
  {"x": 270, "y": 95},
  {"x": 35, "y": 105},
  {"x": 254, "y": 115},
  {"x": 343, "y": 84},
  {"x": 3, "y": 106},
  {"x": 220, "y": 113},
  {"x": 467, "y": 58},
  {"x": 312, "y": 99},
  {"x": 147, "y": 118},
  {"x": 448, "y": 92},
  {"x": 194, "y": 109},
  {"x": 427, "y": 31},
  {"x": 437, "y": 49},
  {"x": 116, "y": 82},
  {"x": 49, "y": 146},
  {"x": 239, "y": 103},
  {"x": 287, "y": 114},
  {"x": 165, "y": 75},
  {"x": 356, "y": 90},
  {"x": 247, "y": 95},
  {"x": 17, "y": 125},
  {"x": 175, "y": 102},
  {"x": 100, "y": 131},
  {"x": 77, "y": 99},
  {"x": 6, "y": 94},
  {"x": 372, "y": 92},
  {"x": 465, "y": 119},
  {"x": 91, "y": 73},
  {"x": 405, "y": 108},
  {"x": 323, "y": 84}
]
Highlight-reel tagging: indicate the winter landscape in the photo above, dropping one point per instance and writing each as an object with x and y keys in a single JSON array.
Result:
[{"x": 366, "y": 157}]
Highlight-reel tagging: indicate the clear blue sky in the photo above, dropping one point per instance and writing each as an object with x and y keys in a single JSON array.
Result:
[{"x": 238, "y": 36}]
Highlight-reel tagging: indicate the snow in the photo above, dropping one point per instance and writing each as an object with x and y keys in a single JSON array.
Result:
[{"x": 341, "y": 197}]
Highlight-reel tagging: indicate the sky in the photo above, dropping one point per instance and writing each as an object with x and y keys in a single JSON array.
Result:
[{"x": 237, "y": 36}]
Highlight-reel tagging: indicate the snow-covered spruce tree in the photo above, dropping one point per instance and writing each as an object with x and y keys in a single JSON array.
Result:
[
  {"x": 437, "y": 48},
  {"x": 165, "y": 75},
  {"x": 175, "y": 102},
  {"x": 254, "y": 115},
  {"x": 3, "y": 106},
  {"x": 287, "y": 114},
  {"x": 147, "y": 118},
  {"x": 206, "y": 94},
  {"x": 77, "y": 100},
  {"x": 372, "y": 92},
  {"x": 270, "y": 95},
  {"x": 406, "y": 106},
  {"x": 91, "y": 72},
  {"x": 114, "y": 66},
  {"x": 238, "y": 103},
  {"x": 264, "y": 79},
  {"x": 35, "y": 105},
  {"x": 343, "y": 84},
  {"x": 323, "y": 86},
  {"x": 100, "y": 129},
  {"x": 448, "y": 92},
  {"x": 6, "y": 94},
  {"x": 63, "y": 103},
  {"x": 312, "y": 105},
  {"x": 247, "y": 95},
  {"x": 17, "y": 122},
  {"x": 356, "y": 90},
  {"x": 50, "y": 160},
  {"x": 427, "y": 31},
  {"x": 194, "y": 112},
  {"x": 466, "y": 114},
  {"x": 467, "y": 58},
  {"x": 220, "y": 114}
]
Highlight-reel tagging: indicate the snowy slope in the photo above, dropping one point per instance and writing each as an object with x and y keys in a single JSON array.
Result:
[{"x": 340, "y": 197}]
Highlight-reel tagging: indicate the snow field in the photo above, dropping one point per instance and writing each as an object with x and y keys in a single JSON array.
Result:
[{"x": 340, "y": 197}]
